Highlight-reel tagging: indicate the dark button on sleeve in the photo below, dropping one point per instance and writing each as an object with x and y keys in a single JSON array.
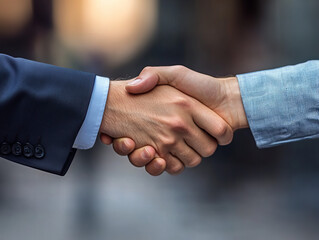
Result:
[
  {"x": 28, "y": 150},
  {"x": 17, "y": 149},
  {"x": 39, "y": 151},
  {"x": 5, "y": 148}
]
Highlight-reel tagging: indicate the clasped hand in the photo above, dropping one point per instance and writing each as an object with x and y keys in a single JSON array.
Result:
[{"x": 167, "y": 128}]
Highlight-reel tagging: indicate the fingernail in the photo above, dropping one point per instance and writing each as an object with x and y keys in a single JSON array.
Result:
[
  {"x": 145, "y": 154},
  {"x": 135, "y": 82},
  {"x": 124, "y": 146}
]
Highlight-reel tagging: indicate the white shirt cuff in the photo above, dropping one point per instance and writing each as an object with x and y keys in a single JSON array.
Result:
[{"x": 88, "y": 132}]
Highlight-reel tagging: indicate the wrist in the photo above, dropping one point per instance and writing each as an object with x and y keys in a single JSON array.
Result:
[
  {"x": 235, "y": 103},
  {"x": 112, "y": 108}
]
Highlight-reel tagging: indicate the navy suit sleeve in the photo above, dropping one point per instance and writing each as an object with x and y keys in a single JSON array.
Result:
[{"x": 42, "y": 108}]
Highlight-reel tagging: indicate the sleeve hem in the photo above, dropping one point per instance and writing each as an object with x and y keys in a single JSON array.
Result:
[{"x": 87, "y": 134}]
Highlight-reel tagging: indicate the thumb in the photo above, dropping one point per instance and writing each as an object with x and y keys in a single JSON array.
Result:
[
  {"x": 152, "y": 76},
  {"x": 143, "y": 83}
]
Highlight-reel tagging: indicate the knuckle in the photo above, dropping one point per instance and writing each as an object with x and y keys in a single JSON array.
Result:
[
  {"x": 146, "y": 69},
  {"x": 209, "y": 150},
  {"x": 179, "y": 68},
  {"x": 155, "y": 168},
  {"x": 178, "y": 124},
  {"x": 221, "y": 129},
  {"x": 175, "y": 170},
  {"x": 195, "y": 162},
  {"x": 153, "y": 172},
  {"x": 137, "y": 162},
  {"x": 183, "y": 102},
  {"x": 118, "y": 148},
  {"x": 168, "y": 141},
  {"x": 229, "y": 139}
]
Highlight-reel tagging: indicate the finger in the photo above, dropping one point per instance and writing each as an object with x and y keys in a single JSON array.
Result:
[
  {"x": 142, "y": 85},
  {"x": 149, "y": 78},
  {"x": 213, "y": 124},
  {"x": 186, "y": 154},
  {"x": 156, "y": 167},
  {"x": 146, "y": 81},
  {"x": 177, "y": 76},
  {"x": 142, "y": 156},
  {"x": 173, "y": 165},
  {"x": 123, "y": 146},
  {"x": 200, "y": 141},
  {"x": 105, "y": 139}
]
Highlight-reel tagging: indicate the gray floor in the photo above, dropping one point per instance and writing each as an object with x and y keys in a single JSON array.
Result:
[{"x": 104, "y": 197}]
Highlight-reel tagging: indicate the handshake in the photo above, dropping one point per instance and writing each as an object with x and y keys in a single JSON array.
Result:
[
  {"x": 166, "y": 119},
  {"x": 169, "y": 118}
]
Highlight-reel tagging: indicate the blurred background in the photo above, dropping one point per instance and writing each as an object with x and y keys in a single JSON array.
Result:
[{"x": 239, "y": 193}]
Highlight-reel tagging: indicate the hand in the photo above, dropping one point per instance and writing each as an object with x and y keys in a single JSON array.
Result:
[
  {"x": 166, "y": 120},
  {"x": 221, "y": 95}
]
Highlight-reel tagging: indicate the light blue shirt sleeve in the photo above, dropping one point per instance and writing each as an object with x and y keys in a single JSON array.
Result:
[
  {"x": 88, "y": 132},
  {"x": 282, "y": 105}
]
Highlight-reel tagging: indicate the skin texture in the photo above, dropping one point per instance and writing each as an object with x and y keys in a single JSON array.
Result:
[
  {"x": 222, "y": 95},
  {"x": 175, "y": 128}
]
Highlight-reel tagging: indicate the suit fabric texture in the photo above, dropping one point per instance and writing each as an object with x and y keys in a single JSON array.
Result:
[{"x": 42, "y": 108}]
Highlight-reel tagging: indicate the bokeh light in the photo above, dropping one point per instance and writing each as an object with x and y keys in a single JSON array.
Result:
[{"x": 115, "y": 30}]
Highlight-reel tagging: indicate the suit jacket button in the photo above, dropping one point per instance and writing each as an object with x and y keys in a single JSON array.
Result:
[
  {"x": 5, "y": 148},
  {"x": 17, "y": 149},
  {"x": 39, "y": 151},
  {"x": 28, "y": 150}
]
